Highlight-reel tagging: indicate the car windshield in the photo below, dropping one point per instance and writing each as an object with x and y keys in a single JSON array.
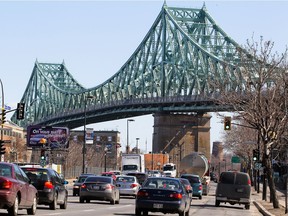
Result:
[
  {"x": 98, "y": 179},
  {"x": 5, "y": 170},
  {"x": 192, "y": 179},
  {"x": 160, "y": 183},
  {"x": 125, "y": 179},
  {"x": 130, "y": 167},
  {"x": 81, "y": 179},
  {"x": 36, "y": 175}
]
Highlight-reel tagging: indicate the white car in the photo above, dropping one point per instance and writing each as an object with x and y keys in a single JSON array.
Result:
[
  {"x": 127, "y": 185},
  {"x": 155, "y": 173}
]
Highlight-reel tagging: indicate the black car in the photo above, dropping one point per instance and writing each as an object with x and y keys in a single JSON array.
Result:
[
  {"x": 77, "y": 184},
  {"x": 51, "y": 187},
  {"x": 162, "y": 194}
]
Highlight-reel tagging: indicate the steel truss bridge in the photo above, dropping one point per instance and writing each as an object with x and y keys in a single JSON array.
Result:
[{"x": 170, "y": 71}]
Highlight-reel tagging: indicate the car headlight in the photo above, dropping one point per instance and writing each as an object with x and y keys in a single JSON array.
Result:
[{"x": 75, "y": 186}]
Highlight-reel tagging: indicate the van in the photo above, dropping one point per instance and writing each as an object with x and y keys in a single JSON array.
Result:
[
  {"x": 195, "y": 182},
  {"x": 233, "y": 187}
]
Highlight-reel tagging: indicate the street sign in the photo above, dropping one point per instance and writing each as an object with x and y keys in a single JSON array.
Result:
[
  {"x": 258, "y": 166},
  {"x": 235, "y": 159}
]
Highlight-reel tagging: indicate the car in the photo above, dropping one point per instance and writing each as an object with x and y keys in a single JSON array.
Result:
[
  {"x": 127, "y": 185},
  {"x": 141, "y": 177},
  {"x": 50, "y": 185},
  {"x": 195, "y": 182},
  {"x": 77, "y": 184},
  {"x": 213, "y": 177},
  {"x": 16, "y": 190},
  {"x": 116, "y": 172},
  {"x": 155, "y": 173},
  {"x": 110, "y": 174},
  {"x": 162, "y": 194},
  {"x": 187, "y": 186},
  {"x": 233, "y": 187},
  {"x": 99, "y": 188},
  {"x": 205, "y": 185}
]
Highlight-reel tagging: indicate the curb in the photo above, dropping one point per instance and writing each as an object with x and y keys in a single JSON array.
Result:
[{"x": 262, "y": 209}]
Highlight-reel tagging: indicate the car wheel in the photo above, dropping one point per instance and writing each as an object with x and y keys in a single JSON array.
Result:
[
  {"x": 217, "y": 203},
  {"x": 187, "y": 213},
  {"x": 145, "y": 213},
  {"x": 32, "y": 210},
  {"x": 182, "y": 213},
  {"x": 81, "y": 200},
  {"x": 112, "y": 202},
  {"x": 137, "y": 211},
  {"x": 87, "y": 201},
  {"x": 247, "y": 206},
  {"x": 53, "y": 205},
  {"x": 118, "y": 200},
  {"x": 64, "y": 205},
  {"x": 13, "y": 210},
  {"x": 200, "y": 197}
]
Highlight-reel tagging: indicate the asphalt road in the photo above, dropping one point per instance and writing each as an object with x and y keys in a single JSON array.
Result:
[{"x": 206, "y": 206}]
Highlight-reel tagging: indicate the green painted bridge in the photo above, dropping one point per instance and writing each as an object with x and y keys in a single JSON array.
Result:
[{"x": 170, "y": 71}]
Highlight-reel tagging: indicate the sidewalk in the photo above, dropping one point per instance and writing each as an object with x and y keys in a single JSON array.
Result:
[{"x": 265, "y": 207}]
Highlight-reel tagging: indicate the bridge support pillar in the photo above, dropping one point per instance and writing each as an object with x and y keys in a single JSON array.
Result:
[{"x": 181, "y": 134}]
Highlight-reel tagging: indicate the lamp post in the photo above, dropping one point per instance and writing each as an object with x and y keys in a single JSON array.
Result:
[
  {"x": 127, "y": 146},
  {"x": 84, "y": 132},
  {"x": 105, "y": 159},
  {"x": 2, "y": 90},
  {"x": 137, "y": 139}
]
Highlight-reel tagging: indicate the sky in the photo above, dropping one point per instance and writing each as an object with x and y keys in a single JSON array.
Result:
[{"x": 95, "y": 38}]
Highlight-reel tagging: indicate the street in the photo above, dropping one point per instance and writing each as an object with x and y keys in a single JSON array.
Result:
[{"x": 126, "y": 207}]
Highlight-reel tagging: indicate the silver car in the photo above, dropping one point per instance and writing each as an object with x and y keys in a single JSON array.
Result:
[
  {"x": 127, "y": 185},
  {"x": 99, "y": 188}
]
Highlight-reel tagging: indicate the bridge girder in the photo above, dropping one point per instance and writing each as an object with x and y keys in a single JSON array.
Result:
[{"x": 171, "y": 70}]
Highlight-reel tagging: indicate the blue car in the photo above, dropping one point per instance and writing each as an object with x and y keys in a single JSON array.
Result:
[{"x": 196, "y": 184}]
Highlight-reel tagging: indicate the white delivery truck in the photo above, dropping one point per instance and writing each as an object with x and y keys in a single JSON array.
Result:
[
  {"x": 133, "y": 163},
  {"x": 169, "y": 170}
]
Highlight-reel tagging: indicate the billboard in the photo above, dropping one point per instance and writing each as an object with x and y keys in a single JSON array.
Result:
[{"x": 48, "y": 137}]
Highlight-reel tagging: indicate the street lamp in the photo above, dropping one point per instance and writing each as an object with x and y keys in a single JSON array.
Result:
[
  {"x": 105, "y": 158},
  {"x": 84, "y": 132},
  {"x": 127, "y": 146},
  {"x": 137, "y": 139},
  {"x": 2, "y": 90}
]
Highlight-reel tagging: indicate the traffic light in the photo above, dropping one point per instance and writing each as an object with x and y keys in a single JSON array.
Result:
[
  {"x": 227, "y": 123},
  {"x": 3, "y": 114},
  {"x": 255, "y": 154},
  {"x": 20, "y": 110},
  {"x": 2, "y": 147},
  {"x": 42, "y": 156}
]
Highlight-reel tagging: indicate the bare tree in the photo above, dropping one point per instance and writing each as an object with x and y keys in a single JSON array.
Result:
[
  {"x": 241, "y": 141},
  {"x": 261, "y": 97}
]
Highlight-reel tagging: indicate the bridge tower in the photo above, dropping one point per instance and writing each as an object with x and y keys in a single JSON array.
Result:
[{"x": 181, "y": 134}]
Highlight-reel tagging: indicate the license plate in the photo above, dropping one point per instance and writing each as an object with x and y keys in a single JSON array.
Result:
[
  {"x": 96, "y": 187},
  {"x": 156, "y": 205},
  {"x": 240, "y": 190}
]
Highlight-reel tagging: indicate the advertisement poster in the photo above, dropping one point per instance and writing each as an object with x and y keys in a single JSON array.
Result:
[
  {"x": 48, "y": 137},
  {"x": 89, "y": 135}
]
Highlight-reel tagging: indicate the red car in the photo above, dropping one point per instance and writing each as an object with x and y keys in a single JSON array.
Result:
[
  {"x": 16, "y": 190},
  {"x": 109, "y": 174}
]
